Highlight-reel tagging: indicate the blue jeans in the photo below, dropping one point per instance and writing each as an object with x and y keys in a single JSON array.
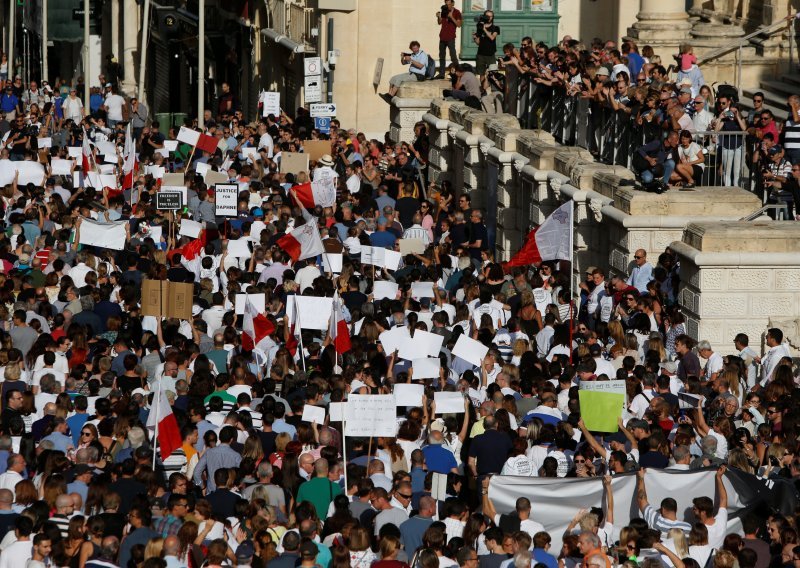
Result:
[{"x": 669, "y": 167}]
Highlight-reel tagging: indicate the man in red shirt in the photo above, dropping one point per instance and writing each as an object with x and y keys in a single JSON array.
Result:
[{"x": 450, "y": 20}]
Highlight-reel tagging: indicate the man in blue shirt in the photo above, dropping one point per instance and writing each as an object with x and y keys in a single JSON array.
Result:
[
  {"x": 642, "y": 273},
  {"x": 381, "y": 237},
  {"x": 9, "y": 103},
  {"x": 417, "y": 62}
]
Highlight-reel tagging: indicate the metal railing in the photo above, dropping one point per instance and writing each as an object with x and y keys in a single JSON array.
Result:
[
  {"x": 294, "y": 20},
  {"x": 739, "y": 43},
  {"x": 613, "y": 137}
]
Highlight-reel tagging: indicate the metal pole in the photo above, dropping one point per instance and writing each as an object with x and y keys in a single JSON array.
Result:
[
  {"x": 86, "y": 56},
  {"x": 330, "y": 69},
  {"x": 739, "y": 71},
  {"x": 143, "y": 48},
  {"x": 45, "y": 68},
  {"x": 12, "y": 18},
  {"x": 201, "y": 63}
]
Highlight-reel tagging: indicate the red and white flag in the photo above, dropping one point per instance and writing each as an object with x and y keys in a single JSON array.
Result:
[
  {"x": 311, "y": 194},
  {"x": 290, "y": 331},
  {"x": 86, "y": 154},
  {"x": 304, "y": 242},
  {"x": 552, "y": 240},
  {"x": 162, "y": 421},
  {"x": 340, "y": 334},
  {"x": 198, "y": 139},
  {"x": 256, "y": 327},
  {"x": 130, "y": 164}
]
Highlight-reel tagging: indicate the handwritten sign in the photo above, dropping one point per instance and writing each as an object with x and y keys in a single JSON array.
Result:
[{"x": 370, "y": 415}]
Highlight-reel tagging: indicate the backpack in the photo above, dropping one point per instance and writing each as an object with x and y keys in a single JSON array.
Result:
[{"x": 430, "y": 68}]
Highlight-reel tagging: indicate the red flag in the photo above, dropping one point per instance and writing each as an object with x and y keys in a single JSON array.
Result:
[
  {"x": 304, "y": 242},
  {"x": 207, "y": 143},
  {"x": 338, "y": 330},
  {"x": 289, "y": 330},
  {"x": 552, "y": 240},
  {"x": 162, "y": 421},
  {"x": 256, "y": 327},
  {"x": 86, "y": 154},
  {"x": 190, "y": 250},
  {"x": 129, "y": 165},
  {"x": 311, "y": 194}
]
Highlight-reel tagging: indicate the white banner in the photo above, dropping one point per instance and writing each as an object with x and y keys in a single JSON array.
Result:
[
  {"x": 106, "y": 235},
  {"x": 370, "y": 415}
]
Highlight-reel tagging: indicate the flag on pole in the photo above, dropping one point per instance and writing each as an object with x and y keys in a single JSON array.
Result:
[
  {"x": 290, "y": 331},
  {"x": 552, "y": 240},
  {"x": 340, "y": 334},
  {"x": 304, "y": 242},
  {"x": 311, "y": 194},
  {"x": 129, "y": 164},
  {"x": 191, "y": 250},
  {"x": 162, "y": 422},
  {"x": 255, "y": 325},
  {"x": 198, "y": 140},
  {"x": 86, "y": 154}
]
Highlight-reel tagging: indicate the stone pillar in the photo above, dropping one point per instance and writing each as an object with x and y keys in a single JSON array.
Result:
[
  {"x": 115, "y": 28},
  {"x": 662, "y": 24},
  {"x": 130, "y": 29}
]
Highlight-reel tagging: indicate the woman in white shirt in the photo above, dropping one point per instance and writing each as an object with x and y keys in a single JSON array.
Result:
[
  {"x": 691, "y": 160},
  {"x": 699, "y": 549},
  {"x": 518, "y": 463}
]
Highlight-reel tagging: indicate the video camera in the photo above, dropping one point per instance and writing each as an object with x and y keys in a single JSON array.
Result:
[{"x": 480, "y": 22}]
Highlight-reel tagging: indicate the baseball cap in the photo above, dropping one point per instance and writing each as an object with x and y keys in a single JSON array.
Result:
[
  {"x": 308, "y": 549},
  {"x": 618, "y": 437},
  {"x": 590, "y": 269},
  {"x": 82, "y": 468},
  {"x": 602, "y": 71},
  {"x": 776, "y": 149},
  {"x": 438, "y": 426},
  {"x": 258, "y": 212},
  {"x": 108, "y": 85},
  {"x": 246, "y": 550}
]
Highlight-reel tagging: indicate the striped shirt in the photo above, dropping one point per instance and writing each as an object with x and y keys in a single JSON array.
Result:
[
  {"x": 655, "y": 520},
  {"x": 62, "y": 522},
  {"x": 791, "y": 135},
  {"x": 417, "y": 232}
]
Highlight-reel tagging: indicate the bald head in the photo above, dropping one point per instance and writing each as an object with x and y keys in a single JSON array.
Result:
[
  {"x": 321, "y": 467},
  {"x": 172, "y": 546},
  {"x": 6, "y": 498},
  {"x": 63, "y": 502},
  {"x": 427, "y": 506}
]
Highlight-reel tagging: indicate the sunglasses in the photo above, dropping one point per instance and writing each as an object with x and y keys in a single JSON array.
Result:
[{"x": 86, "y": 433}]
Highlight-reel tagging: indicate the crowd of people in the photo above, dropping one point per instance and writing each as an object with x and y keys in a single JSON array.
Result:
[{"x": 83, "y": 482}]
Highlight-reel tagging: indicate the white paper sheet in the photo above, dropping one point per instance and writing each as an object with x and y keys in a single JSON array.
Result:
[
  {"x": 393, "y": 338},
  {"x": 313, "y": 413},
  {"x": 239, "y": 248},
  {"x": 411, "y": 246},
  {"x": 422, "y": 289},
  {"x": 44, "y": 143},
  {"x": 336, "y": 411},
  {"x": 470, "y": 350},
  {"x": 74, "y": 152},
  {"x": 314, "y": 312},
  {"x": 408, "y": 395},
  {"x": 332, "y": 262},
  {"x": 449, "y": 402},
  {"x": 423, "y": 344},
  {"x": 190, "y": 228},
  {"x": 30, "y": 172},
  {"x": 427, "y": 368},
  {"x": 59, "y": 167},
  {"x": 170, "y": 145},
  {"x": 384, "y": 289},
  {"x": 259, "y": 302},
  {"x": 106, "y": 235}
]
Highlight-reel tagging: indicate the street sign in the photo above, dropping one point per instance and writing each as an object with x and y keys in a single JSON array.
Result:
[
  {"x": 226, "y": 198},
  {"x": 313, "y": 88},
  {"x": 323, "y": 124},
  {"x": 168, "y": 200},
  {"x": 322, "y": 109},
  {"x": 312, "y": 65}
]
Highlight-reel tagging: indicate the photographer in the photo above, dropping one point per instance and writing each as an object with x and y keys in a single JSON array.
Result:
[
  {"x": 450, "y": 19},
  {"x": 485, "y": 36},
  {"x": 467, "y": 84},
  {"x": 729, "y": 120},
  {"x": 417, "y": 61}
]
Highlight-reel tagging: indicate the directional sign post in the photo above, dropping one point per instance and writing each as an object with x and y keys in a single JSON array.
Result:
[
  {"x": 322, "y": 109},
  {"x": 323, "y": 124}
]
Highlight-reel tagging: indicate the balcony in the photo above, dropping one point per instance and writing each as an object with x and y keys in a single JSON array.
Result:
[{"x": 290, "y": 25}]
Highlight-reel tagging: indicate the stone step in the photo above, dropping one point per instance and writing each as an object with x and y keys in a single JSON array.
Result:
[
  {"x": 781, "y": 87},
  {"x": 776, "y": 102}
]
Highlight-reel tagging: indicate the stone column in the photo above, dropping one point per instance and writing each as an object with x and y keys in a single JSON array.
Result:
[
  {"x": 115, "y": 28},
  {"x": 662, "y": 24},
  {"x": 130, "y": 29}
]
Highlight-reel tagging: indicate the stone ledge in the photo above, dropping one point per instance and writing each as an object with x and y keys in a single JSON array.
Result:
[
  {"x": 440, "y": 108},
  {"x": 568, "y": 158},
  {"x": 719, "y": 202},
  {"x": 744, "y": 237},
  {"x": 539, "y": 146},
  {"x": 422, "y": 89}
]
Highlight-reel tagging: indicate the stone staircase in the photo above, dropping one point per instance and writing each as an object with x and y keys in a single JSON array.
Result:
[{"x": 776, "y": 92}]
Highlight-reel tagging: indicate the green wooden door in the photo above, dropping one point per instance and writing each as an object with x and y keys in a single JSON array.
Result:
[{"x": 516, "y": 19}]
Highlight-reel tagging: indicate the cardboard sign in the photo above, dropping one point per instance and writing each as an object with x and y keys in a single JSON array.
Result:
[
  {"x": 173, "y": 179},
  {"x": 161, "y": 298},
  {"x": 411, "y": 246},
  {"x": 226, "y": 197},
  {"x": 168, "y": 200},
  {"x": 293, "y": 162},
  {"x": 214, "y": 178},
  {"x": 316, "y": 148}
]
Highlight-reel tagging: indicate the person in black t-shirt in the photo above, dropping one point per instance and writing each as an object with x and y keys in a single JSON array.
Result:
[{"x": 485, "y": 36}]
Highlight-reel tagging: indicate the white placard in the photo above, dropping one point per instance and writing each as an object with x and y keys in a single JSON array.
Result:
[
  {"x": 190, "y": 228},
  {"x": 449, "y": 402},
  {"x": 30, "y": 172},
  {"x": 408, "y": 395},
  {"x": 314, "y": 312},
  {"x": 7, "y": 172},
  {"x": 383, "y": 289},
  {"x": 188, "y": 136},
  {"x": 74, "y": 152},
  {"x": 259, "y": 302},
  {"x": 470, "y": 350},
  {"x": 226, "y": 198},
  {"x": 44, "y": 143},
  {"x": 177, "y": 189},
  {"x": 201, "y": 168},
  {"x": 106, "y": 149},
  {"x": 170, "y": 145},
  {"x": 423, "y": 344},
  {"x": 107, "y": 169},
  {"x": 380, "y": 256},
  {"x": 332, "y": 262},
  {"x": 313, "y": 413},
  {"x": 357, "y": 326},
  {"x": 336, "y": 411},
  {"x": 391, "y": 259},
  {"x": 393, "y": 338},
  {"x": 162, "y": 152},
  {"x": 422, "y": 290},
  {"x": 105, "y": 235},
  {"x": 426, "y": 368},
  {"x": 272, "y": 103},
  {"x": 411, "y": 246},
  {"x": 156, "y": 171},
  {"x": 59, "y": 167},
  {"x": 251, "y": 154},
  {"x": 370, "y": 415},
  {"x": 239, "y": 248}
]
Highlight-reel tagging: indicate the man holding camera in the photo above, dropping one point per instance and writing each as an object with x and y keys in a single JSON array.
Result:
[
  {"x": 417, "y": 62},
  {"x": 485, "y": 36},
  {"x": 450, "y": 20}
]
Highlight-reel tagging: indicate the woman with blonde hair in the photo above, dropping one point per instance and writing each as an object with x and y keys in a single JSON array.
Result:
[
  {"x": 655, "y": 343},
  {"x": 616, "y": 333},
  {"x": 518, "y": 349},
  {"x": 361, "y": 555},
  {"x": 530, "y": 318},
  {"x": 154, "y": 548}
]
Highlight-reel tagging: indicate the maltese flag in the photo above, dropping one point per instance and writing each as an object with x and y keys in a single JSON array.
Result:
[
  {"x": 129, "y": 165},
  {"x": 86, "y": 154},
  {"x": 162, "y": 421},
  {"x": 322, "y": 193},
  {"x": 552, "y": 240},
  {"x": 256, "y": 327},
  {"x": 304, "y": 242},
  {"x": 340, "y": 335}
]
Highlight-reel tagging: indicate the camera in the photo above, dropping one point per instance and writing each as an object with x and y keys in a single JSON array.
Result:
[
  {"x": 445, "y": 11},
  {"x": 480, "y": 22}
]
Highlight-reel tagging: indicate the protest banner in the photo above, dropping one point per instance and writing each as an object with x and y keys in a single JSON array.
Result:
[
  {"x": 226, "y": 199},
  {"x": 168, "y": 200},
  {"x": 601, "y": 404},
  {"x": 294, "y": 162},
  {"x": 370, "y": 415},
  {"x": 109, "y": 235},
  {"x": 161, "y": 298}
]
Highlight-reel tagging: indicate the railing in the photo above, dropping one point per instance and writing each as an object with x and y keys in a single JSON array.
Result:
[
  {"x": 613, "y": 137},
  {"x": 295, "y": 21},
  {"x": 739, "y": 43}
]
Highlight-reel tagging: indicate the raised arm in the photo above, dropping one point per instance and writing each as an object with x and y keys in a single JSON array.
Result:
[
  {"x": 594, "y": 444},
  {"x": 723, "y": 493},
  {"x": 641, "y": 491},
  {"x": 609, "y": 499},
  {"x": 488, "y": 507}
]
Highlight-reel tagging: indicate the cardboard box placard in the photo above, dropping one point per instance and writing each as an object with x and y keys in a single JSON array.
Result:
[
  {"x": 161, "y": 298},
  {"x": 293, "y": 162},
  {"x": 316, "y": 148}
]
